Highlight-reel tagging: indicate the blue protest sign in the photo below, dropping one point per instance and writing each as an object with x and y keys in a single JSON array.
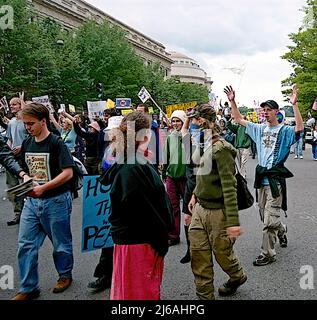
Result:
[
  {"x": 96, "y": 210},
  {"x": 123, "y": 103},
  {"x": 280, "y": 117}
]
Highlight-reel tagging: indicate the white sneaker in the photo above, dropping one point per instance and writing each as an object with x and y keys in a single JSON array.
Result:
[
  {"x": 296, "y": 157},
  {"x": 301, "y": 157}
]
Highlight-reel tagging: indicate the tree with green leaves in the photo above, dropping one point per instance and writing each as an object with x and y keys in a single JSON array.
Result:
[
  {"x": 303, "y": 58},
  {"x": 110, "y": 60},
  {"x": 39, "y": 57},
  {"x": 32, "y": 61}
]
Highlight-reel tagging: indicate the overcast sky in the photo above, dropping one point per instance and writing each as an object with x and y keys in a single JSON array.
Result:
[{"x": 220, "y": 35}]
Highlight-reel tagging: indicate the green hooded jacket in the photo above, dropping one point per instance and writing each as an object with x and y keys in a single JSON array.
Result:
[{"x": 242, "y": 140}]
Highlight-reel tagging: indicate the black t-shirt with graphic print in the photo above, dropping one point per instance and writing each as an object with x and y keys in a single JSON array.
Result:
[{"x": 45, "y": 160}]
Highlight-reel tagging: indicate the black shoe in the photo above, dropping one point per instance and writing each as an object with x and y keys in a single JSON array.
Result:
[
  {"x": 186, "y": 258},
  {"x": 99, "y": 285},
  {"x": 283, "y": 239},
  {"x": 263, "y": 260},
  {"x": 13, "y": 222},
  {"x": 230, "y": 287}
]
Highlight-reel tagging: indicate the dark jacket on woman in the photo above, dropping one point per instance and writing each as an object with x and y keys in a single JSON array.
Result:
[{"x": 141, "y": 210}]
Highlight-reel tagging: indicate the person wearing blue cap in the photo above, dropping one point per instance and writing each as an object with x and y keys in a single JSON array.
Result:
[{"x": 274, "y": 141}]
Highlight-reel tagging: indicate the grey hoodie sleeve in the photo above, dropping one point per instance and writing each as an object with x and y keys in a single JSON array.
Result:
[{"x": 7, "y": 158}]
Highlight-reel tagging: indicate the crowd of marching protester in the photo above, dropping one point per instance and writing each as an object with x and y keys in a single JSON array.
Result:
[{"x": 158, "y": 167}]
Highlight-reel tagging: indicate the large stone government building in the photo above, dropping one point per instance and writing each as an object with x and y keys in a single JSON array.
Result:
[
  {"x": 188, "y": 70},
  {"x": 72, "y": 13}
]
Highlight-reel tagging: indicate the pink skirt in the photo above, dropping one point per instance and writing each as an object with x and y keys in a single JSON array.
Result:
[{"x": 137, "y": 273}]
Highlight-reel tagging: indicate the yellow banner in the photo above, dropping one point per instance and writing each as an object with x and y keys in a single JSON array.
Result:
[
  {"x": 180, "y": 106},
  {"x": 125, "y": 112},
  {"x": 252, "y": 116},
  {"x": 110, "y": 104}
]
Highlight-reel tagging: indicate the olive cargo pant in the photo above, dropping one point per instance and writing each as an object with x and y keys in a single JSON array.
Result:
[
  {"x": 270, "y": 209},
  {"x": 207, "y": 235}
]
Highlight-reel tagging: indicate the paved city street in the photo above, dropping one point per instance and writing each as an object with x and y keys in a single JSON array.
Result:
[{"x": 280, "y": 280}]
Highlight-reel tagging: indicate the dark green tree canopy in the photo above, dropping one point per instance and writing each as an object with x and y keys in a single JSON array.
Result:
[
  {"x": 303, "y": 58},
  {"x": 39, "y": 57}
]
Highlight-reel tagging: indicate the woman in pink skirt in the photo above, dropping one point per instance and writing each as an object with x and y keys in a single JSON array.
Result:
[{"x": 141, "y": 215}]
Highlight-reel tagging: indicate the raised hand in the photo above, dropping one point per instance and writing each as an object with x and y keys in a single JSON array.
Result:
[
  {"x": 230, "y": 93},
  {"x": 293, "y": 98},
  {"x": 21, "y": 95}
]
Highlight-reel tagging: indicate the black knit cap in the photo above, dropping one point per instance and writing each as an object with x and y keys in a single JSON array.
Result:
[{"x": 271, "y": 104}]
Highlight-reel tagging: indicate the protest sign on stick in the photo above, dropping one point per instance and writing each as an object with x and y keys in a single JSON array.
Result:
[
  {"x": 96, "y": 109},
  {"x": 144, "y": 95},
  {"x": 44, "y": 100},
  {"x": 4, "y": 105}
]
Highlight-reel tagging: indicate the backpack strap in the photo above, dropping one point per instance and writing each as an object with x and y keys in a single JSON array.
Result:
[{"x": 215, "y": 139}]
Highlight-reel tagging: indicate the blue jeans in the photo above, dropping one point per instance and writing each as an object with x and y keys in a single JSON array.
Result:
[
  {"x": 298, "y": 150},
  {"x": 40, "y": 218},
  {"x": 314, "y": 151}
]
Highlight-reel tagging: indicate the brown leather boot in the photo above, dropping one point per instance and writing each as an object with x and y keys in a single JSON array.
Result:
[
  {"x": 27, "y": 295},
  {"x": 62, "y": 284}
]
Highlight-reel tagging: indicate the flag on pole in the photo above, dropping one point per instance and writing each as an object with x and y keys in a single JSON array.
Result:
[
  {"x": 314, "y": 107},
  {"x": 4, "y": 104},
  {"x": 144, "y": 94}
]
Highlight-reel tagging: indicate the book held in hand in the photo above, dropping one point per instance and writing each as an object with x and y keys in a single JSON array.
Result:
[{"x": 20, "y": 190}]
